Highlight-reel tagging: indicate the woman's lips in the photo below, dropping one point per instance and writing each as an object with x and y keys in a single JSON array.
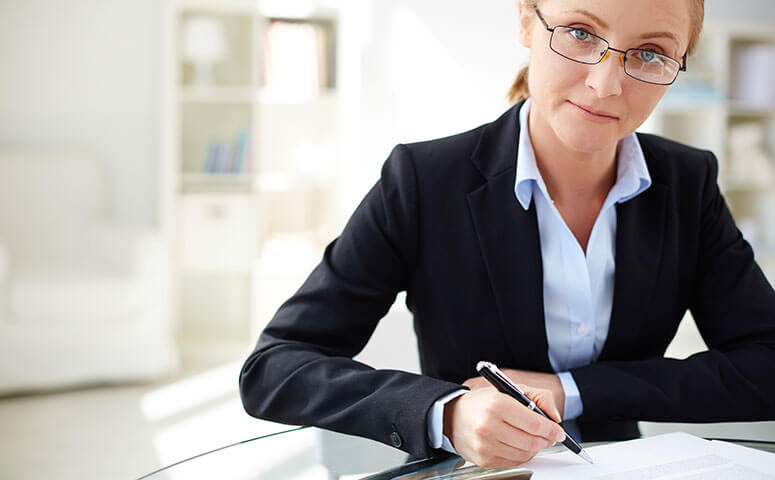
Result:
[{"x": 594, "y": 115}]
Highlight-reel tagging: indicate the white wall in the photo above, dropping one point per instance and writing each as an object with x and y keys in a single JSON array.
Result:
[
  {"x": 84, "y": 74},
  {"x": 418, "y": 69},
  {"x": 740, "y": 10}
]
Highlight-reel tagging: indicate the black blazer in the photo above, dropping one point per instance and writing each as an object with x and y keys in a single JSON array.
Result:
[{"x": 443, "y": 223}]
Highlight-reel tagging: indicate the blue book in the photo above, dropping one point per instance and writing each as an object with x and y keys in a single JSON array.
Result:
[
  {"x": 210, "y": 157},
  {"x": 241, "y": 151},
  {"x": 227, "y": 158},
  {"x": 247, "y": 164},
  {"x": 218, "y": 162}
]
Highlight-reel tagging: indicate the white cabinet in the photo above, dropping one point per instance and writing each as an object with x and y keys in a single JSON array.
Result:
[
  {"x": 218, "y": 232},
  {"x": 249, "y": 147}
]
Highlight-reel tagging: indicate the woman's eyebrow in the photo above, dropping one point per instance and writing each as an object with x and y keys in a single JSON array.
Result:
[
  {"x": 591, "y": 15},
  {"x": 669, "y": 35},
  {"x": 600, "y": 22}
]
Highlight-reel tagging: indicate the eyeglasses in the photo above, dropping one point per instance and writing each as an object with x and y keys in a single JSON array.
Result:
[{"x": 581, "y": 46}]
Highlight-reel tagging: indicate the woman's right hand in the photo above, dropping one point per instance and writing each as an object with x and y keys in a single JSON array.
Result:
[{"x": 491, "y": 429}]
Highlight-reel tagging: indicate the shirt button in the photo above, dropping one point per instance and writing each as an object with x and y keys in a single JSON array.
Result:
[{"x": 583, "y": 330}]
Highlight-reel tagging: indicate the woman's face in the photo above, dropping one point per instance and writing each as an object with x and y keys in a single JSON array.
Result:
[{"x": 564, "y": 92}]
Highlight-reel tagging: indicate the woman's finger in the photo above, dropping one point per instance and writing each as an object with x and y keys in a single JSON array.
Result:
[
  {"x": 520, "y": 439},
  {"x": 530, "y": 422},
  {"x": 545, "y": 401}
]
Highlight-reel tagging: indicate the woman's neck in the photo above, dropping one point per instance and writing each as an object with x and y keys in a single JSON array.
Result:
[{"x": 572, "y": 176}]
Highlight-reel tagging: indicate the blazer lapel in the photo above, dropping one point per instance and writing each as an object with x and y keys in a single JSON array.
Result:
[
  {"x": 510, "y": 245},
  {"x": 640, "y": 226}
]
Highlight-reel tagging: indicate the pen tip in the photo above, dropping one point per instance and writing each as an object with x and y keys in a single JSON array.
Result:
[{"x": 583, "y": 454}]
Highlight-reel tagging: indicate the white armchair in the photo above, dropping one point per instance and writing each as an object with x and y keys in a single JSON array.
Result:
[{"x": 82, "y": 296}]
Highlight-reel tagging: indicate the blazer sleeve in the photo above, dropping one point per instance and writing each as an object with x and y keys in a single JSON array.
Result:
[
  {"x": 734, "y": 308},
  {"x": 302, "y": 371}
]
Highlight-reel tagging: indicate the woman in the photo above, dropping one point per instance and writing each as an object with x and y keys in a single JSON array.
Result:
[{"x": 553, "y": 241}]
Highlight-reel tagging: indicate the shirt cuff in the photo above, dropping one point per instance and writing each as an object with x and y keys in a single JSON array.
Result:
[
  {"x": 573, "y": 406},
  {"x": 435, "y": 422}
]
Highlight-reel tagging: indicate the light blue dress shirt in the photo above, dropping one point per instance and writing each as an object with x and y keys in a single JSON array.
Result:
[{"x": 578, "y": 288}]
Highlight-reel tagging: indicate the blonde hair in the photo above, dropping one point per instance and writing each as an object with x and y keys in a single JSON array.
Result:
[{"x": 519, "y": 89}]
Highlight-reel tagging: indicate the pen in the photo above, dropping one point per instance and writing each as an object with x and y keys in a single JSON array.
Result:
[{"x": 500, "y": 381}]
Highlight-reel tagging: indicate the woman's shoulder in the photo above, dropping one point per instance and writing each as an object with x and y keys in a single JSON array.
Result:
[
  {"x": 441, "y": 164},
  {"x": 488, "y": 147},
  {"x": 665, "y": 146},
  {"x": 668, "y": 159},
  {"x": 458, "y": 145}
]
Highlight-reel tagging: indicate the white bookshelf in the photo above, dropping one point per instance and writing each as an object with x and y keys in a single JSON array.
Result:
[
  {"x": 703, "y": 110},
  {"x": 235, "y": 149}
]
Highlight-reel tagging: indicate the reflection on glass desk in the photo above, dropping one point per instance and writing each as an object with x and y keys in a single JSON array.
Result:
[{"x": 308, "y": 453}]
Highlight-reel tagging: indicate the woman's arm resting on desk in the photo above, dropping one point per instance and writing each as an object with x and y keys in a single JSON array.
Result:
[
  {"x": 301, "y": 371},
  {"x": 734, "y": 308}
]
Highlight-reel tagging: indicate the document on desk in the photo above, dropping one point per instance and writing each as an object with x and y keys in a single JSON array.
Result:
[{"x": 673, "y": 456}]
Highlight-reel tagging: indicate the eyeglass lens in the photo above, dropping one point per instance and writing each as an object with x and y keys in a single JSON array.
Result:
[{"x": 581, "y": 46}]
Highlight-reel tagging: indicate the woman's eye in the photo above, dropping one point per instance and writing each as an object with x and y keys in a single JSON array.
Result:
[
  {"x": 581, "y": 35},
  {"x": 648, "y": 56}
]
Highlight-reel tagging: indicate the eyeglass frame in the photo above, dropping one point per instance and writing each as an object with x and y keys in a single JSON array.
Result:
[{"x": 681, "y": 68}]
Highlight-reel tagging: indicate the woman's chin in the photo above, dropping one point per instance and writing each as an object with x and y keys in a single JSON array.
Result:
[{"x": 588, "y": 140}]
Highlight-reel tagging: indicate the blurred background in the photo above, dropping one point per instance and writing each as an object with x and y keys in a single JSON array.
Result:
[{"x": 171, "y": 171}]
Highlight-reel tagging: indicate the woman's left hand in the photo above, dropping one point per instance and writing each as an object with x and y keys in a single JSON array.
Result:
[{"x": 546, "y": 381}]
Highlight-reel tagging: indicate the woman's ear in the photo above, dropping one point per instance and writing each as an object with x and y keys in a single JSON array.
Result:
[{"x": 526, "y": 15}]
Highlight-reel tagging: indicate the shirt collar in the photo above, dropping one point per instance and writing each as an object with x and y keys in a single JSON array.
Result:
[{"x": 632, "y": 175}]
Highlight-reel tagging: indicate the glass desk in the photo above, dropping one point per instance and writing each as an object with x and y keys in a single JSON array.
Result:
[{"x": 309, "y": 453}]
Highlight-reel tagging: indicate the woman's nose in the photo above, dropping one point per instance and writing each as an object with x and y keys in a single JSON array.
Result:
[{"x": 606, "y": 77}]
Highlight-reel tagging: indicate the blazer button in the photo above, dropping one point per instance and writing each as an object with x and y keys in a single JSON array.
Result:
[{"x": 395, "y": 440}]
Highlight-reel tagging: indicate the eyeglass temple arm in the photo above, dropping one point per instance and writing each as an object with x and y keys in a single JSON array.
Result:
[{"x": 546, "y": 25}]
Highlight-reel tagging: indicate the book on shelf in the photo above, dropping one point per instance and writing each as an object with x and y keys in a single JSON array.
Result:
[
  {"x": 242, "y": 151},
  {"x": 298, "y": 58},
  {"x": 233, "y": 158}
]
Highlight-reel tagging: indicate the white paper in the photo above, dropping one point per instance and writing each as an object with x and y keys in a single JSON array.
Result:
[{"x": 673, "y": 456}]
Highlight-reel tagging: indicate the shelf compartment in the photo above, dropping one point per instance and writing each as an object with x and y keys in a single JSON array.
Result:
[
  {"x": 203, "y": 125},
  {"x": 235, "y": 68}
]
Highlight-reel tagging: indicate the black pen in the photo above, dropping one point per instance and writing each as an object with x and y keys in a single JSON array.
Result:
[{"x": 500, "y": 381}]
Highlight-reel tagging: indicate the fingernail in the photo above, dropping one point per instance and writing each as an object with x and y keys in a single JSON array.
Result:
[{"x": 560, "y": 437}]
